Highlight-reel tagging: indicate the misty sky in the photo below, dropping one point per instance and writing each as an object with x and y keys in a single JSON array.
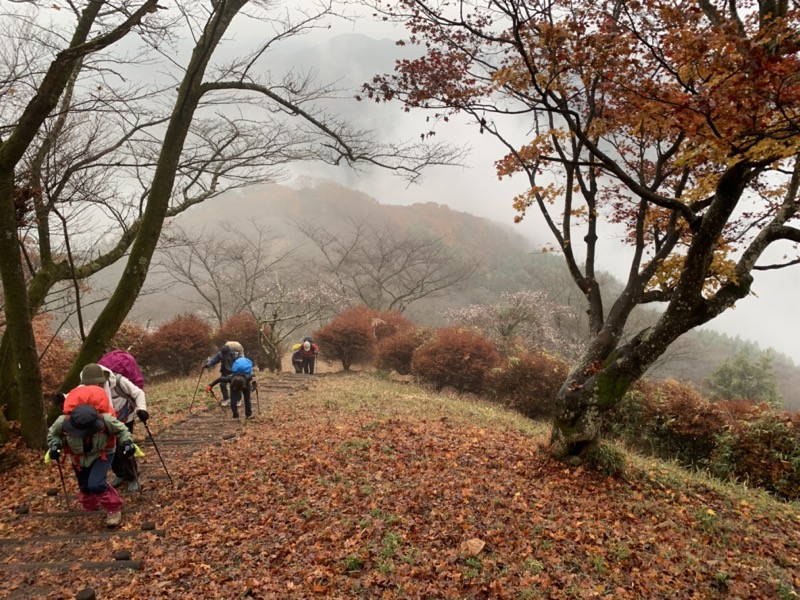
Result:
[{"x": 768, "y": 318}]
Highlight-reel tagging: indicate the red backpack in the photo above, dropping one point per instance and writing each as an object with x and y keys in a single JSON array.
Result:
[{"x": 119, "y": 361}]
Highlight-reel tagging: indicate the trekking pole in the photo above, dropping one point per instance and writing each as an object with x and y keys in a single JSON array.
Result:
[
  {"x": 219, "y": 403},
  {"x": 63, "y": 484},
  {"x": 197, "y": 387},
  {"x": 258, "y": 400},
  {"x": 147, "y": 428}
]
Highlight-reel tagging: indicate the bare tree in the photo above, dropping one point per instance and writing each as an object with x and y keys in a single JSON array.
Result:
[
  {"x": 220, "y": 124},
  {"x": 384, "y": 269}
]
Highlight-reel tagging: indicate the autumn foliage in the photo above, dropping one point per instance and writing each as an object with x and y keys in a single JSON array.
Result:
[
  {"x": 455, "y": 358},
  {"x": 129, "y": 338},
  {"x": 178, "y": 347},
  {"x": 528, "y": 383},
  {"x": 55, "y": 355},
  {"x": 396, "y": 351},
  {"x": 348, "y": 337}
]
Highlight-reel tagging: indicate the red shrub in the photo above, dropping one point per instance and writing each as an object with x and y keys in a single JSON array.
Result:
[
  {"x": 129, "y": 338},
  {"x": 764, "y": 451},
  {"x": 178, "y": 347},
  {"x": 529, "y": 383},
  {"x": 55, "y": 357},
  {"x": 456, "y": 358},
  {"x": 242, "y": 328},
  {"x": 396, "y": 351},
  {"x": 349, "y": 337},
  {"x": 389, "y": 323}
]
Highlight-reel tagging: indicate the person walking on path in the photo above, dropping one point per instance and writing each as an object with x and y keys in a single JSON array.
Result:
[
  {"x": 91, "y": 437},
  {"x": 128, "y": 401},
  {"x": 309, "y": 351},
  {"x": 91, "y": 391},
  {"x": 224, "y": 358},
  {"x": 240, "y": 380}
]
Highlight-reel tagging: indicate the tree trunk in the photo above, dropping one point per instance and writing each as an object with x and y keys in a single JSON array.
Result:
[
  {"x": 23, "y": 356},
  {"x": 189, "y": 94}
]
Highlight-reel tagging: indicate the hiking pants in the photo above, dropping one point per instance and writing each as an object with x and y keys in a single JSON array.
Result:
[
  {"x": 223, "y": 385},
  {"x": 94, "y": 491},
  {"x": 298, "y": 366},
  {"x": 308, "y": 364},
  {"x": 123, "y": 467},
  {"x": 235, "y": 396}
]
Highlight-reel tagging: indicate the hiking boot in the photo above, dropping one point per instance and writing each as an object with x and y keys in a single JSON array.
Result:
[
  {"x": 133, "y": 486},
  {"x": 226, "y": 403},
  {"x": 117, "y": 481},
  {"x": 113, "y": 518}
]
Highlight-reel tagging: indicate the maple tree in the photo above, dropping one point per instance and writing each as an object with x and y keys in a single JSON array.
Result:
[{"x": 674, "y": 123}]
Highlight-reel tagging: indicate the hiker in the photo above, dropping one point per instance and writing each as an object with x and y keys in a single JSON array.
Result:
[
  {"x": 128, "y": 401},
  {"x": 225, "y": 358},
  {"x": 297, "y": 359},
  {"x": 91, "y": 437},
  {"x": 240, "y": 379},
  {"x": 309, "y": 352},
  {"x": 91, "y": 392}
]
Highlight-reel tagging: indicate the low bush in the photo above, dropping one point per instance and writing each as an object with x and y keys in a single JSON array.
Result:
[
  {"x": 763, "y": 451},
  {"x": 396, "y": 351},
  {"x": 670, "y": 419},
  {"x": 178, "y": 347},
  {"x": 389, "y": 323},
  {"x": 129, "y": 338},
  {"x": 457, "y": 358},
  {"x": 528, "y": 383},
  {"x": 348, "y": 337}
]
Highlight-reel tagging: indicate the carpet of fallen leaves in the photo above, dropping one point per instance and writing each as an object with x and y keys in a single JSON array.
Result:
[{"x": 321, "y": 500}]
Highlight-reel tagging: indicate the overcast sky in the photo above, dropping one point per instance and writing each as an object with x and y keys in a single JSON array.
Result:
[{"x": 768, "y": 317}]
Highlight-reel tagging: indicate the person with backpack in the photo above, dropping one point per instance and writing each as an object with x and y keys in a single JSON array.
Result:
[
  {"x": 91, "y": 391},
  {"x": 309, "y": 351},
  {"x": 128, "y": 401},
  {"x": 91, "y": 438},
  {"x": 240, "y": 379},
  {"x": 224, "y": 358},
  {"x": 297, "y": 359}
]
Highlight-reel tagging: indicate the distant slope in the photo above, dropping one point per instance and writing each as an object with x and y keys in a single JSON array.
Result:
[{"x": 507, "y": 258}]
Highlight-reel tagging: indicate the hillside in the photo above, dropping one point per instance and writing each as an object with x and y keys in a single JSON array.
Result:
[
  {"x": 358, "y": 488},
  {"x": 506, "y": 259}
]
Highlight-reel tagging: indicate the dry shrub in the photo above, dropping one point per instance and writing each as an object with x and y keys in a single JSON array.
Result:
[
  {"x": 396, "y": 351},
  {"x": 669, "y": 418},
  {"x": 389, "y": 323},
  {"x": 764, "y": 451},
  {"x": 129, "y": 337},
  {"x": 348, "y": 337},
  {"x": 178, "y": 347},
  {"x": 457, "y": 358},
  {"x": 529, "y": 383},
  {"x": 243, "y": 328},
  {"x": 55, "y": 356}
]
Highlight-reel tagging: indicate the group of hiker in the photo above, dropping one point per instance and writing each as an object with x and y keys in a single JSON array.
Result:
[{"x": 95, "y": 430}]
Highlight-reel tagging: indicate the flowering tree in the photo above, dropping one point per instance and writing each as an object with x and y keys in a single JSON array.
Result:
[
  {"x": 673, "y": 122},
  {"x": 523, "y": 317}
]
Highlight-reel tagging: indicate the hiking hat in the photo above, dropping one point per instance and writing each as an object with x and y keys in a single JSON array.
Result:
[
  {"x": 84, "y": 420},
  {"x": 93, "y": 373},
  {"x": 306, "y": 346}
]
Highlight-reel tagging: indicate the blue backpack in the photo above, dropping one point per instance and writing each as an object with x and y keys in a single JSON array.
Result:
[{"x": 242, "y": 366}]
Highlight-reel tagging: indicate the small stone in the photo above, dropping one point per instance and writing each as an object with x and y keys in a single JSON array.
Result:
[
  {"x": 229, "y": 436},
  {"x": 148, "y": 526},
  {"x": 23, "y": 509},
  {"x": 52, "y": 492},
  {"x": 122, "y": 555},
  {"x": 86, "y": 594}
]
